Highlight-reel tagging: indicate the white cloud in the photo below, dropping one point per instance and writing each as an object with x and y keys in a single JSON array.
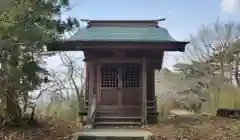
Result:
[{"x": 230, "y": 6}]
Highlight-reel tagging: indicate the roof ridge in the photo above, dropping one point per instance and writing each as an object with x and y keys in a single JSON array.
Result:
[
  {"x": 125, "y": 27},
  {"x": 146, "y": 20}
]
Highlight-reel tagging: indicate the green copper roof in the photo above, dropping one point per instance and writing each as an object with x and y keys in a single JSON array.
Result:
[{"x": 135, "y": 34}]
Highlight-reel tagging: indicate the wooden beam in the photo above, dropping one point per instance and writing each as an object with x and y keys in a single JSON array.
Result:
[
  {"x": 144, "y": 90},
  {"x": 119, "y": 60}
]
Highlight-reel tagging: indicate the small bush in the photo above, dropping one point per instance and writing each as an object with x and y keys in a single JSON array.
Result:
[
  {"x": 61, "y": 110},
  {"x": 226, "y": 96}
]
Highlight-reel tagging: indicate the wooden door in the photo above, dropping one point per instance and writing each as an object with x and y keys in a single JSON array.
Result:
[
  {"x": 131, "y": 91},
  {"x": 109, "y": 86},
  {"x": 120, "y": 85}
]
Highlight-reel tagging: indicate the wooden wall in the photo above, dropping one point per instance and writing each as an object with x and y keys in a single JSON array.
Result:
[{"x": 93, "y": 59}]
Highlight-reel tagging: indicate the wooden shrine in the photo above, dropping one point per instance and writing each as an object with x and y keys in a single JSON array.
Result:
[{"x": 121, "y": 56}]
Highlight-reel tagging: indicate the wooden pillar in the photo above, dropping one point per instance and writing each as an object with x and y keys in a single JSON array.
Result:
[
  {"x": 144, "y": 91},
  {"x": 91, "y": 80},
  {"x": 154, "y": 82},
  {"x": 86, "y": 82},
  {"x": 90, "y": 92},
  {"x": 150, "y": 81}
]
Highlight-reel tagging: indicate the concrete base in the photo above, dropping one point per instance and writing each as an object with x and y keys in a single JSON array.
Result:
[{"x": 113, "y": 134}]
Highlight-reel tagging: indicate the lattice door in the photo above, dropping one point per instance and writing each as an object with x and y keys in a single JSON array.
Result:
[
  {"x": 120, "y": 85},
  {"x": 131, "y": 81},
  {"x": 109, "y": 77},
  {"x": 109, "y": 85},
  {"x": 131, "y": 77}
]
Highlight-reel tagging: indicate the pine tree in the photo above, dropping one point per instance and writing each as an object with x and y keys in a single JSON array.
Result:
[{"x": 26, "y": 27}]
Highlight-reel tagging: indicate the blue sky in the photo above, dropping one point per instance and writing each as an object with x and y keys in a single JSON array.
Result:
[{"x": 183, "y": 17}]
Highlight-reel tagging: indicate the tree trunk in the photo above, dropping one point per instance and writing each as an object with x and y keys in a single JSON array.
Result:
[
  {"x": 230, "y": 71},
  {"x": 25, "y": 100},
  {"x": 222, "y": 69},
  {"x": 13, "y": 109},
  {"x": 79, "y": 92},
  {"x": 237, "y": 69}
]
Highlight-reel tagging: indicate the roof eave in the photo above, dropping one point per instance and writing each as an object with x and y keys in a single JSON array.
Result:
[{"x": 80, "y": 45}]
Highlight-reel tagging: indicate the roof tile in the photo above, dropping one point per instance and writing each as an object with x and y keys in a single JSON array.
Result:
[{"x": 135, "y": 34}]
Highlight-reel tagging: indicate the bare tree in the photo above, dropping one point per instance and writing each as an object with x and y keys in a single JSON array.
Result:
[
  {"x": 213, "y": 53},
  {"x": 75, "y": 75},
  {"x": 214, "y": 58}
]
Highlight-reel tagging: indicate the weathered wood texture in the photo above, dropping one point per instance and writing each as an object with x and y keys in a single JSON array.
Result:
[
  {"x": 123, "y": 82},
  {"x": 144, "y": 90}
]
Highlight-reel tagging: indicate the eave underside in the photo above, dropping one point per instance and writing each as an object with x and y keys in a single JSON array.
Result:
[
  {"x": 129, "y": 45},
  {"x": 153, "y": 56}
]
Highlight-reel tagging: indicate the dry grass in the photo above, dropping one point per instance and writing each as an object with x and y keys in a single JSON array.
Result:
[
  {"x": 197, "y": 128},
  {"x": 229, "y": 97},
  {"x": 224, "y": 97},
  {"x": 45, "y": 129},
  {"x": 61, "y": 109},
  {"x": 54, "y": 121}
]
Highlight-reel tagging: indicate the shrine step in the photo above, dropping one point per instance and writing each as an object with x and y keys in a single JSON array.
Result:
[
  {"x": 118, "y": 118},
  {"x": 103, "y": 121},
  {"x": 113, "y": 113},
  {"x": 117, "y": 124},
  {"x": 113, "y": 134}
]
